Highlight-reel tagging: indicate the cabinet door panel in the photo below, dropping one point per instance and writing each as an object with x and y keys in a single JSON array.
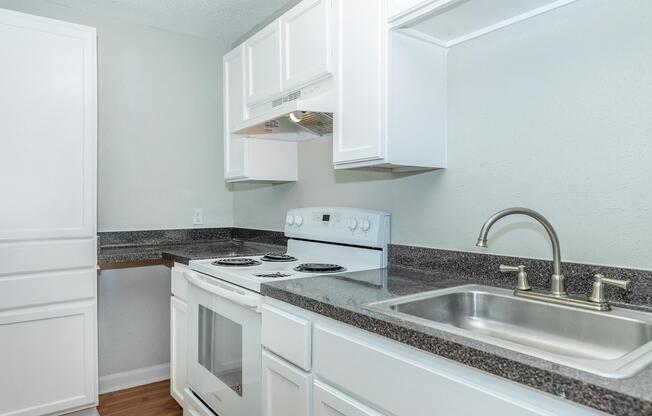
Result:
[
  {"x": 47, "y": 359},
  {"x": 48, "y": 129},
  {"x": 306, "y": 42},
  {"x": 286, "y": 389},
  {"x": 263, "y": 64},
  {"x": 234, "y": 109},
  {"x": 330, "y": 402},
  {"x": 358, "y": 125},
  {"x": 177, "y": 348}
]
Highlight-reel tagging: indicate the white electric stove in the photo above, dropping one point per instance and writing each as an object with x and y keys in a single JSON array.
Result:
[
  {"x": 321, "y": 241},
  {"x": 224, "y": 322}
]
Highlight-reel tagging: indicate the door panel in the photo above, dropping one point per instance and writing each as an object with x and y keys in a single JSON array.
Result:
[
  {"x": 306, "y": 48},
  {"x": 286, "y": 389},
  {"x": 263, "y": 64},
  {"x": 48, "y": 129},
  {"x": 177, "y": 348},
  {"x": 330, "y": 402},
  {"x": 48, "y": 359},
  {"x": 358, "y": 124},
  {"x": 48, "y": 250},
  {"x": 224, "y": 352},
  {"x": 234, "y": 108}
]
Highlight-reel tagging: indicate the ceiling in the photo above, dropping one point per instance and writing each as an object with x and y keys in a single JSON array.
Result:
[{"x": 216, "y": 19}]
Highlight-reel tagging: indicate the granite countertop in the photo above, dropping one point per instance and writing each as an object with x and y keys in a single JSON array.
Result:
[
  {"x": 182, "y": 252},
  {"x": 341, "y": 297}
]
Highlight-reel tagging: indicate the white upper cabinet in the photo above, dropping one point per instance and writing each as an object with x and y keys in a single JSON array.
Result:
[
  {"x": 391, "y": 105},
  {"x": 234, "y": 107},
  {"x": 263, "y": 64},
  {"x": 358, "y": 128},
  {"x": 306, "y": 49},
  {"x": 247, "y": 159}
]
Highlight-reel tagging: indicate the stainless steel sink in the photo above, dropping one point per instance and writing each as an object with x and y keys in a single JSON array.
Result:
[{"x": 614, "y": 344}]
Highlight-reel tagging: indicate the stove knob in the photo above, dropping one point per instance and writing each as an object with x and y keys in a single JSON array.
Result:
[
  {"x": 298, "y": 220},
  {"x": 365, "y": 225},
  {"x": 353, "y": 224},
  {"x": 289, "y": 220}
]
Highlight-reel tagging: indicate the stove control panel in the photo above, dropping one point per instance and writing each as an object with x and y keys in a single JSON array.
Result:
[{"x": 354, "y": 226}]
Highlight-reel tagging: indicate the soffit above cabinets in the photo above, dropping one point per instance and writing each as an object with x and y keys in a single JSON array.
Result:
[{"x": 450, "y": 22}]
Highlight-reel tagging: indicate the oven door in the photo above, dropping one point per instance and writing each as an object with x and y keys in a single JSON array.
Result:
[{"x": 224, "y": 347}]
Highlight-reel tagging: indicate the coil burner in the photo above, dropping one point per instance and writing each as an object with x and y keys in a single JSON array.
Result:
[
  {"x": 236, "y": 262},
  {"x": 319, "y": 268}
]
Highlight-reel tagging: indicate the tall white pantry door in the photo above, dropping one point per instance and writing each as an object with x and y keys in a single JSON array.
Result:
[{"x": 48, "y": 181}]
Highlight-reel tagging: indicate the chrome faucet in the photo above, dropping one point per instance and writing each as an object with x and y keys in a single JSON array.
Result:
[
  {"x": 557, "y": 283},
  {"x": 557, "y": 292}
]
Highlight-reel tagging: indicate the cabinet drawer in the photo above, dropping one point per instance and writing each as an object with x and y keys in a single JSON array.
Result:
[
  {"x": 41, "y": 288},
  {"x": 405, "y": 383},
  {"x": 287, "y": 335}
]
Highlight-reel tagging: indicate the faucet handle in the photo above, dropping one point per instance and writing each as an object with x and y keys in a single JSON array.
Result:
[
  {"x": 597, "y": 295},
  {"x": 523, "y": 283}
]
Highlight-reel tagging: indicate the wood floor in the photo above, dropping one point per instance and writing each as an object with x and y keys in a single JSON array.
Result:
[{"x": 150, "y": 400}]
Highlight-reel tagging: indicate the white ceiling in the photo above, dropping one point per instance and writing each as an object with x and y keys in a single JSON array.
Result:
[{"x": 217, "y": 19}]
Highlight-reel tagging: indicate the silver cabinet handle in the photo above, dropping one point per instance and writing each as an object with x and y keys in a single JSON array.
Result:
[
  {"x": 523, "y": 283},
  {"x": 598, "y": 295}
]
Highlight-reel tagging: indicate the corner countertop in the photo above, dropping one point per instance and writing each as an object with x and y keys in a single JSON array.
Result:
[
  {"x": 182, "y": 252},
  {"x": 341, "y": 297}
]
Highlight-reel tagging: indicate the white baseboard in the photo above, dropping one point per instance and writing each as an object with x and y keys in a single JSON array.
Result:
[
  {"x": 133, "y": 378},
  {"x": 86, "y": 412}
]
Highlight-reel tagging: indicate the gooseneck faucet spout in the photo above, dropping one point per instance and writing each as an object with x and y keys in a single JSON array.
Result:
[{"x": 557, "y": 283}]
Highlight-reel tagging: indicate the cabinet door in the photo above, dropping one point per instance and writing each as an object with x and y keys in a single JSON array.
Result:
[
  {"x": 48, "y": 246},
  {"x": 330, "y": 402},
  {"x": 286, "y": 389},
  {"x": 263, "y": 64},
  {"x": 234, "y": 109},
  {"x": 47, "y": 357},
  {"x": 359, "y": 74},
  {"x": 306, "y": 42},
  {"x": 177, "y": 348}
]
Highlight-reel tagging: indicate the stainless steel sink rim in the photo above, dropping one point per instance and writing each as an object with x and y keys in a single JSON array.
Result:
[{"x": 625, "y": 366}]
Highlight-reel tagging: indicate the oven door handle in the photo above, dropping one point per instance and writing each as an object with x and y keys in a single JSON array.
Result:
[{"x": 233, "y": 296}]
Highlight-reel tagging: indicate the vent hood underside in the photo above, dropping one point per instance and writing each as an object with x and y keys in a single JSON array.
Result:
[{"x": 302, "y": 115}]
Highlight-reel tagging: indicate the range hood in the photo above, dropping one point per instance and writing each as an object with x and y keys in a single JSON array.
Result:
[{"x": 301, "y": 115}]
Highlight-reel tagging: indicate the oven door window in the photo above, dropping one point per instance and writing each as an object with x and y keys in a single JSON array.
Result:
[{"x": 220, "y": 348}]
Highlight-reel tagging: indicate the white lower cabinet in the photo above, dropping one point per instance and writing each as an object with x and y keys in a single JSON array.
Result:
[
  {"x": 287, "y": 390},
  {"x": 42, "y": 371},
  {"x": 330, "y": 402},
  {"x": 177, "y": 348},
  {"x": 357, "y": 373},
  {"x": 178, "y": 337}
]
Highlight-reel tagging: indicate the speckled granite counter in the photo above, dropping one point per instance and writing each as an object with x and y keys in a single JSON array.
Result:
[
  {"x": 124, "y": 248},
  {"x": 183, "y": 253},
  {"x": 341, "y": 297}
]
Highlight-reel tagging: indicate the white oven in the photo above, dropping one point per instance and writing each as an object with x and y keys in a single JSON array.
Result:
[{"x": 224, "y": 348}]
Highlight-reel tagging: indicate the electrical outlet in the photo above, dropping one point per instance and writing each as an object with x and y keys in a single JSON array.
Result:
[{"x": 198, "y": 216}]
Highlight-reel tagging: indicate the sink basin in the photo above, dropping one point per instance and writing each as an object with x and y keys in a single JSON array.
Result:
[{"x": 613, "y": 344}]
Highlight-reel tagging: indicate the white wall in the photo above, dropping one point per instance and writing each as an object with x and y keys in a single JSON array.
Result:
[
  {"x": 134, "y": 318},
  {"x": 551, "y": 114},
  {"x": 160, "y": 124}
]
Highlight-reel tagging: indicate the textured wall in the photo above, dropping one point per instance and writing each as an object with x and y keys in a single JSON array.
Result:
[
  {"x": 552, "y": 113},
  {"x": 160, "y": 123}
]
